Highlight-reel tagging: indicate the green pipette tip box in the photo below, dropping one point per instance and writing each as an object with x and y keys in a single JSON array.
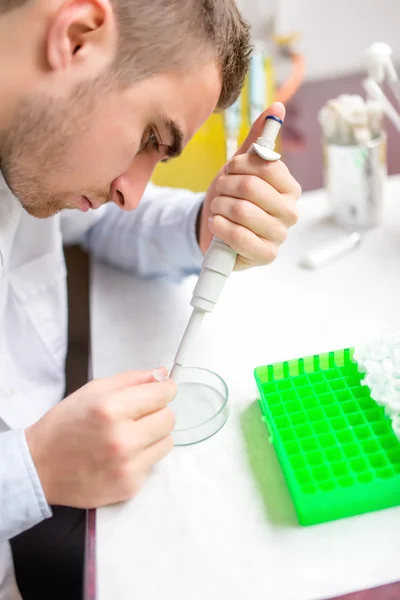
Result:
[{"x": 336, "y": 447}]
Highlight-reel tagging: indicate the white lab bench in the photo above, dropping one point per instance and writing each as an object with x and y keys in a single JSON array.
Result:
[{"x": 215, "y": 520}]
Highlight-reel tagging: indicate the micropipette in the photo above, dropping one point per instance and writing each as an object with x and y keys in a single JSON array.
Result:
[{"x": 219, "y": 260}]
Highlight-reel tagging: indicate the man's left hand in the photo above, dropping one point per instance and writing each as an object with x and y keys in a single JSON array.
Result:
[{"x": 251, "y": 204}]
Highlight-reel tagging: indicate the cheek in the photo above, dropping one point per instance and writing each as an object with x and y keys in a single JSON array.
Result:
[
  {"x": 107, "y": 156},
  {"x": 103, "y": 152}
]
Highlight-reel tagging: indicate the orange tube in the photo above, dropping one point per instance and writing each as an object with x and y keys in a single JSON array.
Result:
[{"x": 288, "y": 89}]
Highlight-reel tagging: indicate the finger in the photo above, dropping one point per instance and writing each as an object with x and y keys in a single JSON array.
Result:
[
  {"x": 276, "y": 110},
  {"x": 254, "y": 189},
  {"x": 138, "y": 401},
  {"x": 127, "y": 379},
  {"x": 275, "y": 173},
  {"x": 154, "y": 427},
  {"x": 153, "y": 454},
  {"x": 250, "y": 216},
  {"x": 258, "y": 251}
]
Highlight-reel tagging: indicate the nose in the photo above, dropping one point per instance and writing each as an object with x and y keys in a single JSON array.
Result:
[{"x": 127, "y": 189}]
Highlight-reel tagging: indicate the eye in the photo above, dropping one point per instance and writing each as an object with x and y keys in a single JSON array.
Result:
[{"x": 151, "y": 143}]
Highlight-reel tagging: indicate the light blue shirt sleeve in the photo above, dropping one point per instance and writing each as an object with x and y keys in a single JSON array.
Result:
[
  {"x": 157, "y": 239},
  {"x": 22, "y": 500}
]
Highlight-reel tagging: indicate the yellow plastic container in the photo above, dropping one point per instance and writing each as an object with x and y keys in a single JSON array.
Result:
[{"x": 206, "y": 152}]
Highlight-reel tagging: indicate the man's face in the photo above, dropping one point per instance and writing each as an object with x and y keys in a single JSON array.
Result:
[{"x": 101, "y": 143}]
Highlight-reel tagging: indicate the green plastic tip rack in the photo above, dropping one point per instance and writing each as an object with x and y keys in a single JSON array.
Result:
[{"x": 335, "y": 445}]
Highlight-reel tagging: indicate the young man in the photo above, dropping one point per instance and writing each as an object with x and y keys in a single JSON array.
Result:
[{"x": 94, "y": 93}]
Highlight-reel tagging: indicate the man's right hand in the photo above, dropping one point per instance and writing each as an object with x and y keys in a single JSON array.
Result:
[{"x": 96, "y": 447}]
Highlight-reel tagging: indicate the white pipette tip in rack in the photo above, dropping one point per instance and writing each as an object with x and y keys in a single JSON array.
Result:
[
  {"x": 264, "y": 146},
  {"x": 379, "y": 58}
]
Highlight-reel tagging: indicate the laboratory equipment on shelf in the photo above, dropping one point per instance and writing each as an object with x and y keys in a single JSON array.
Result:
[{"x": 354, "y": 140}]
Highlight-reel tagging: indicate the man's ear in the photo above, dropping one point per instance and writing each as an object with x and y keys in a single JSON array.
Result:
[{"x": 82, "y": 36}]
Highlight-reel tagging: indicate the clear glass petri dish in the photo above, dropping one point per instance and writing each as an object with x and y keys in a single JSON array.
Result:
[{"x": 201, "y": 406}]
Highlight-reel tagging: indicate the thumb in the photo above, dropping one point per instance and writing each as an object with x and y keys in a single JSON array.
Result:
[
  {"x": 275, "y": 110},
  {"x": 130, "y": 378}
]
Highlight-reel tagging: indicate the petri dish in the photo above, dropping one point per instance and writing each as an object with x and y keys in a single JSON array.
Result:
[{"x": 201, "y": 406}]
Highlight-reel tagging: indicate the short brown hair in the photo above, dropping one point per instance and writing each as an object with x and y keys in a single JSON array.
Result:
[
  {"x": 159, "y": 35},
  {"x": 6, "y": 5}
]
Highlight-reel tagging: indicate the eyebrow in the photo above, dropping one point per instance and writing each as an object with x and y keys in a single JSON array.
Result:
[{"x": 176, "y": 136}]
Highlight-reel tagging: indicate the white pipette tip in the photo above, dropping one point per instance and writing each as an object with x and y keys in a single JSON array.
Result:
[
  {"x": 379, "y": 49},
  {"x": 264, "y": 146},
  {"x": 380, "y": 62},
  {"x": 327, "y": 254}
]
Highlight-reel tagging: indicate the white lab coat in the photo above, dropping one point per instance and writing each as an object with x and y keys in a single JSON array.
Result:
[{"x": 157, "y": 239}]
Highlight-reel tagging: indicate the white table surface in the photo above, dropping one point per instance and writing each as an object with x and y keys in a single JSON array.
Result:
[{"x": 215, "y": 520}]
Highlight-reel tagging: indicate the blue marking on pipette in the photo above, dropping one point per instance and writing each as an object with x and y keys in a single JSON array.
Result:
[{"x": 274, "y": 119}]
